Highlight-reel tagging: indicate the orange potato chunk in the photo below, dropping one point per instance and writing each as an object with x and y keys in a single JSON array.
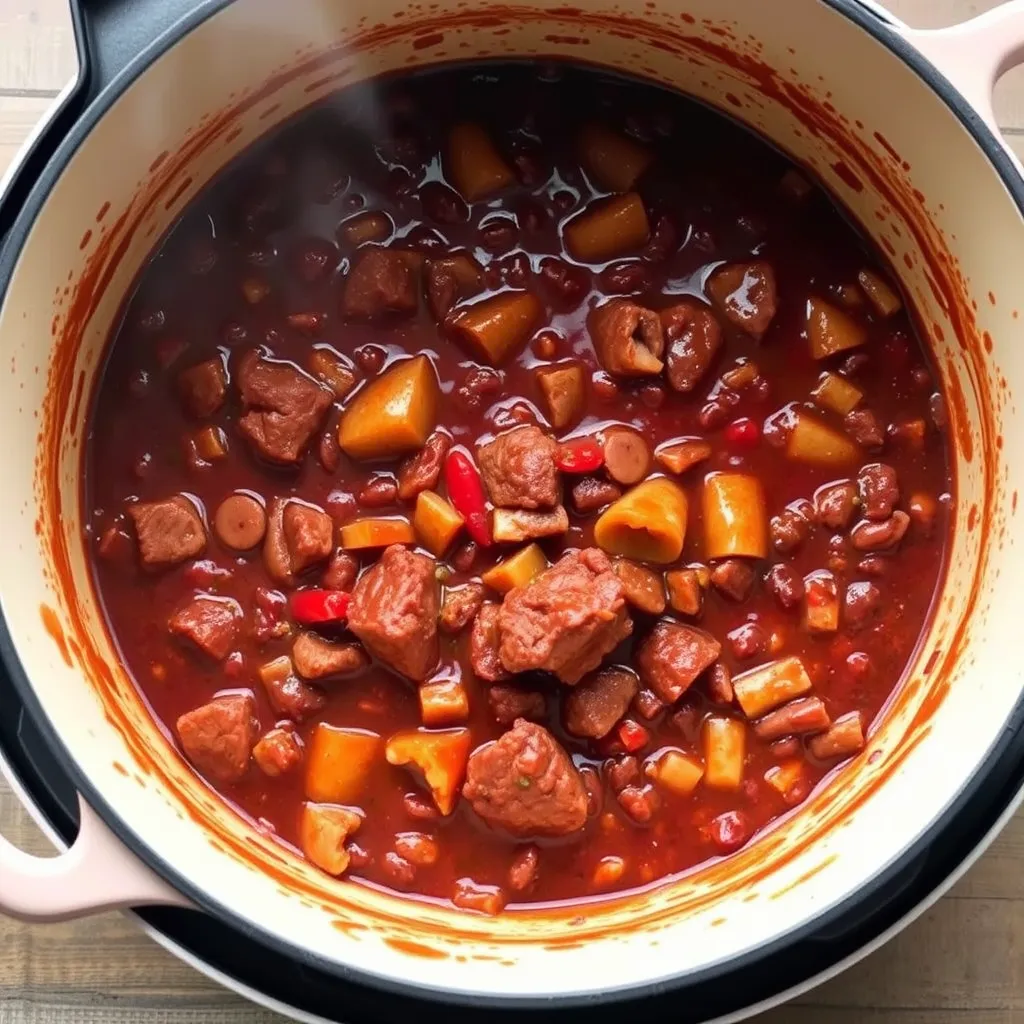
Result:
[
  {"x": 724, "y": 751},
  {"x": 648, "y": 523},
  {"x": 564, "y": 391},
  {"x": 436, "y": 521},
  {"x": 517, "y": 570},
  {"x": 339, "y": 763},
  {"x": 323, "y": 831},
  {"x": 830, "y": 330},
  {"x": 764, "y": 688},
  {"x": 735, "y": 518},
  {"x": 675, "y": 771},
  {"x": 608, "y": 228},
  {"x": 377, "y": 532},
  {"x": 440, "y": 756},
  {"x": 817, "y": 443},
  {"x": 837, "y": 394},
  {"x": 613, "y": 161},
  {"x": 443, "y": 702},
  {"x": 475, "y": 167},
  {"x": 492, "y": 328}
]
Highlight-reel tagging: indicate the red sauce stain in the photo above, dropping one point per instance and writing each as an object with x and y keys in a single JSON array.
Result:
[
  {"x": 1015, "y": 314},
  {"x": 416, "y": 949},
  {"x": 232, "y": 135},
  {"x": 1013, "y": 502},
  {"x": 805, "y": 877},
  {"x": 888, "y": 246},
  {"x": 52, "y": 626},
  {"x": 972, "y": 518},
  {"x": 847, "y": 176},
  {"x": 432, "y": 39},
  {"x": 120, "y": 769},
  {"x": 691, "y": 20},
  {"x": 991, "y": 298},
  {"x": 102, "y": 212},
  {"x": 85, "y": 239},
  {"x": 957, "y": 404},
  {"x": 270, "y": 111},
  {"x": 929, "y": 665},
  {"x": 572, "y": 40},
  {"x": 734, "y": 100},
  {"x": 999, "y": 441},
  {"x": 158, "y": 162},
  {"x": 885, "y": 144},
  {"x": 718, "y": 921},
  {"x": 182, "y": 188},
  {"x": 908, "y": 261}
]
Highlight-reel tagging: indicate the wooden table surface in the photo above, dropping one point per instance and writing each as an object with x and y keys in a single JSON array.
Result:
[{"x": 962, "y": 962}]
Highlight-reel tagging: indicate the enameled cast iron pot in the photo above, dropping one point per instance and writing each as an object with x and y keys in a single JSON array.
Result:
[{"x": 897, "y": 123}]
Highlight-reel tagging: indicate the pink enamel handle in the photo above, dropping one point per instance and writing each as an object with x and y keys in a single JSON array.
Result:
[
  {"x": 96, "y": 873},
  {"x": 974, "y": 54}
]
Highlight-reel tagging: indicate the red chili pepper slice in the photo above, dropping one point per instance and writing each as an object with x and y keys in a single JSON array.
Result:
[
  {"x": 466, "y": 493},
  {"x": 743, "y": 431},
  {"x": 311, "y": 607},
  {"x": 580, "y": 455},
  {"x": 633, "y": 735}
]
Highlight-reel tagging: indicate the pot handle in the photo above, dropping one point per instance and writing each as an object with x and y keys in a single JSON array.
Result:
[
  {"x": 96, "y": 873},
  {"x": 973, "y": 54}
]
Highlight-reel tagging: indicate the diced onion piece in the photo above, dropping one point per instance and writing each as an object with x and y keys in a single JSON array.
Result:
[
  {"x": 322, "y": 835},
  {"x": 879, "y": 294},
  {"x": 377, "y": 533},
  {"x": 767, "y": 686},
  {"x": 516, "y": 571},
  {"x": 724, "y": 751},
  {"x": 648, "y": 523},
  {"x": 443, "y": 702},
  {"x": 440, "y": 756},
  {"x": 735, "y": 518},
  {"x": 339, "y": 762},
  {"x": 837, "y": 394},
  {"x": 817, "y": 443},
  {"x": 436, "y": 522},
  {"x": 675, "y": 771},
  {"x": 831, "y": 330}
]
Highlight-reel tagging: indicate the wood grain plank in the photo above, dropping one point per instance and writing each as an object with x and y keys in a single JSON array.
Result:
[
  {"x": 37, "y": 45},
  {"x": 18, "y": 115}
]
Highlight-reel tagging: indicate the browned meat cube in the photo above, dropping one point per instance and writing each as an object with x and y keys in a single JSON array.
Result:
[
  {"x": 309, "y": 534},
  {"x": 745, "y": 294},
  {"x": 863, "y": 426},
  {"x": 394, "y": 612},
  {"x": 566, "y": 620},
  {"x": 734, "y": 578},
  {"x": 169, "y": 531},
  {"x": 283, "y": 405},
  {"x": 644, "y": 588},
  {"x": 288, "y": 695},
  {"x": 509, "y": 702},
  {"x": 519, "y": 469},
  {"x": 315, "y": 657},
  {"x": 460, "y": 606},
  {"x": 591, "y": 708},
  {"x": 591, "y": 493},
  {"x": 484, "y": 643},
  {"x": 278, "y": 752},
  {"x": 218, "y": 737},
  {"x": 211, "y": 623},
  {"x": 203, "y": 387},
  {"x": 526, "y": 784},
  {"x": 673, "y": 656},
  {"x": 380, "y": 282},
  {"x": 628, "y": 338},
  {"x": 693, "y": 338}
]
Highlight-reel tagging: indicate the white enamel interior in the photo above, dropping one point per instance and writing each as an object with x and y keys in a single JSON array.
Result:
[{"x": 925, "y": 749}]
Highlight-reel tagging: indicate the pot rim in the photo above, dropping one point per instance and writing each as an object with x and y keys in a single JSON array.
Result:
[{"x": 1005, "y": 753}]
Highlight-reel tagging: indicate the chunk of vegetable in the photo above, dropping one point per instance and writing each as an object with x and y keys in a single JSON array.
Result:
[
  {"x": 767, "y": 686},
  {"x": 844, "y": 737},
  {"x": 608, "y": 228},
  {"x": 517, "y": 570},
  {"x": 830, "y": 330},
  {"x": 564, "y": 391},
  {"x": 806, "y": 714},
  {"x": 647, "y": 523},
  {"x": 879, "y": 294},
  {"x": 491, "y": 328},
  {"x": 627, "y": 457},
  {"x": 513, "y": 525},
  {"x": 475, "y": 167},
  {"x": 787, "y": 779},
  {"x": 377, "y": 532},
  {"x": 675, "y": 771},
  {"x": 678, "y": 456},
  {"x": 393, "y": 414},
  {"x": 334, "y": 371},
  {"x": 369, "y": 226},
  {"x": 821, "y": 603},
  {"x": 436, "y": 521},
  {"x": 211, "y": 444},
  {"x": 837, "y": 394},
  {"x": 735, "y": 518},
  {"x": 724, "y": 750},
  {"x": 685, "y": 592},
  {"x": 440, "y": 757},
  {"x": 339, "y": 762},
  {"x": 443, "y": 702},
  {"x": 817, "y": 443},
  {"x": 614, "y": 162},
  {"x": 323, "y": 831}
]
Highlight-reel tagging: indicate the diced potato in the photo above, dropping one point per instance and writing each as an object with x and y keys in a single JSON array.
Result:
[
  {"x": 378, "y": 532},
  {"x": 674, "y": 771},
  {"x": 819, "y": 444},
  {"x": 879, "y": 294},
  {"x": 564, "y": 391},
  {"x": 685, "y": 592},
  {"x": 334, "y": 371},
  {"x": 517, "y": 570},
  {"x": 512, "y": 525},
  {"x": 608, "y": 228},
  {"x": 844, "y": 737},
  {"x": 648, "y": 523},
  {"x": 323, "y": 831},
  {"x": 394, "y": 414},
  {"x": 724, "y": 751},
  {"x": 276, "y": 670},
  {"x": 475, "y": 167},
  {"x": 440, "y": 756},
  {"x": 767, "y": 686},
  {"x": 831, "y": 330},
  {"x": 369, "y": 226},
  {"x": 436, "y": 521},
  {"x": 837, "y": 394},
  {"x": 493, "y": 327},
  {"x": 443, "y": 702},
  {"x": 613, "y": 161},
  {"x": 821, "y": 603},
  {"x": 339, "y": 763},
  {"x": 735, "y": 518},
  {"x": 678, "y": 456},
  {"x": 211, "y": 444},
  {"x": 785, "y": 777}
]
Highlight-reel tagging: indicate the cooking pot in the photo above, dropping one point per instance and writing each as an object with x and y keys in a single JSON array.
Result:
[{"x": 897, "y": 124}]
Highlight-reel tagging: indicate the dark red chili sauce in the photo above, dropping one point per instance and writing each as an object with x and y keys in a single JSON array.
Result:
[{"x": 741, "y": 378}]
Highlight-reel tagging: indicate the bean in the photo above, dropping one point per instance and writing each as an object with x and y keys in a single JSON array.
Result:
[
  {"x": 876, "y": 536},
  {"x": 240, "y": 522}
]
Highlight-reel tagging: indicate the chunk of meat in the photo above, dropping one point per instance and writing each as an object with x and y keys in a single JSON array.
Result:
[
  {"x": 381, "y": 282},
  {"x": 314, "y": 657},
  {"x": 566, "y": 619},
  {"x": 592, "y": 707},
  {"x": 673, "y": 656},
  {"x": 509, "y": 702},
  {"x": 834, "y": 504},
  {"x": 522, "y": 872},
  {"x": 518, "y": 468},
  {"x": 278, "y": 752},
  {"x": 863, "y": 426},
  {"x": 203, "y": 387},
  {"x": 745, "y": 294},
  {"x": 394, "y": 611},
  {"x": 289, "y": 696},
  {"x": 169, "y": 531},
  {"x": 309, "y": 534},
  {"x": 218, "y": 737},
  {"x": 421, "y": 471},
  {"x": 879, "y": 490},
  {"x": 643, "y": 587},
  {"x": 460, "y": 606},
  {"x": 628, "y": 339},
  {"x": 284, "y": 407},
  {"x": 208, "y": 622},
  {"x": 484, "y": 643},
  {"x": 526, "y": 784},
  {"x": 734, "y": 578},
  {"x": 592, "y": 493},
  {"x": 693, "y": 337}
]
